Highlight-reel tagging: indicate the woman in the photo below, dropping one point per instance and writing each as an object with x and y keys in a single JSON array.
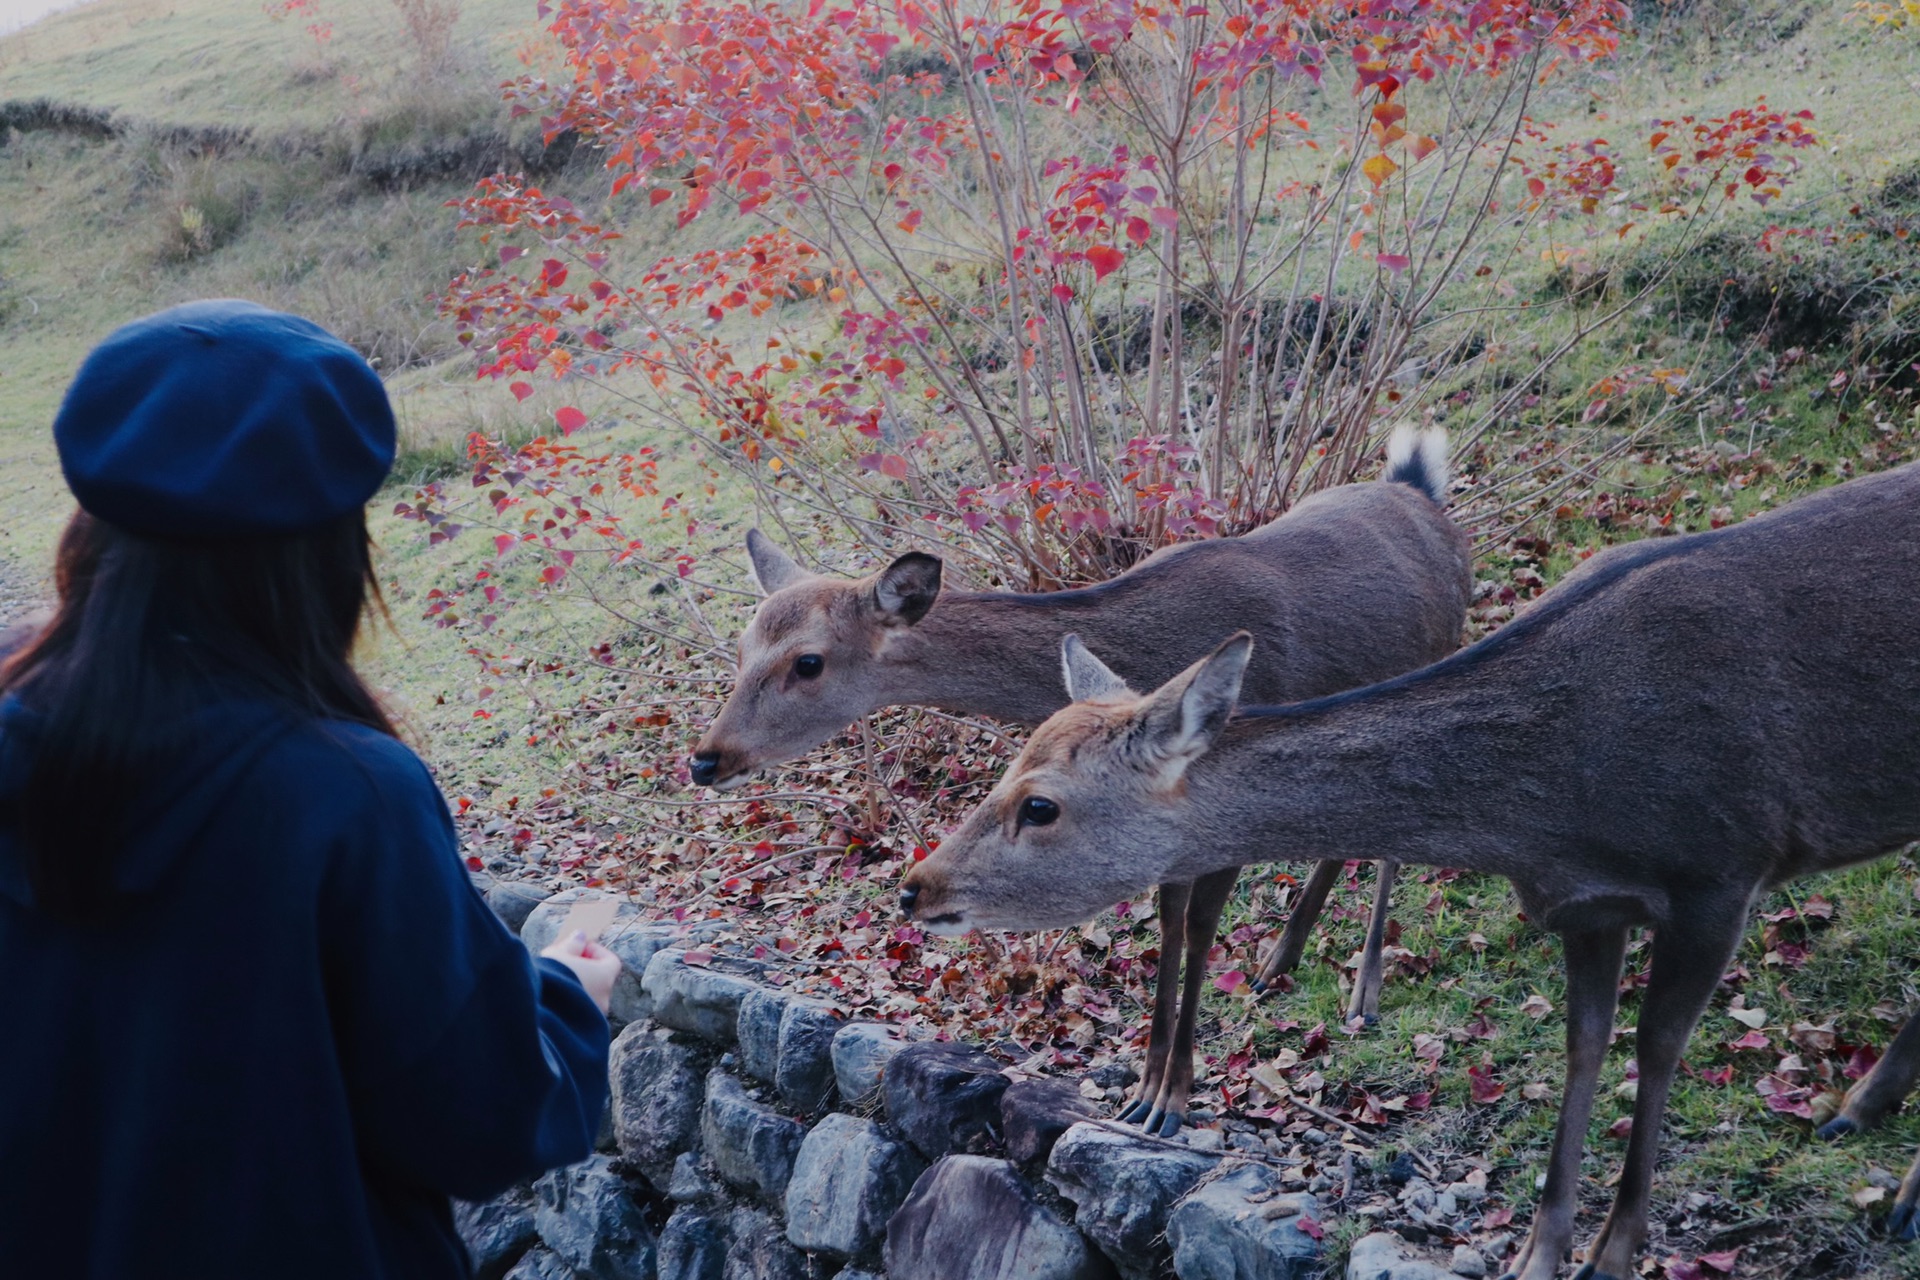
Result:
[{"x": 256, "y": 1022}]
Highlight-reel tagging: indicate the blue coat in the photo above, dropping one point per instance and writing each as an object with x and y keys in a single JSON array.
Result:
[{"x": 304, "y": 1032}]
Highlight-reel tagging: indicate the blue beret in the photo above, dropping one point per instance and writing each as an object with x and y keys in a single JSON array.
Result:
[{"x": 224, "y": 420}]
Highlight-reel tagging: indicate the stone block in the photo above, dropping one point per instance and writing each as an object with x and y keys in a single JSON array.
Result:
[
  {"x": 659, "y": 1086},
  {"x": 750, "y": 1144},
  {"x": 1034, "y": 1113},
  {"x": 861, "y": 1051},
  {"x": 586, "y": 1214},
  {"x": 541, "y": 1264},
  {"x": 759, "y": 1250},
  {"x": 497, "y": 1233},
  {"x": 804, "y": 1074},
  {"x": 1238, "y": 1225},
  {"x": 1385, "y": 1256},
  {"x": 847, "y": 1181},
  {"x": 693, "y": 1246},
  {"x": 690, "y": 998},
  {"x": 1123, "y": 1187},
  {"x": 514, "y": 900},
  {"x": 690, "y": 1183},
  {"x": 974, "y": 1218},
  {"x": 945, "y": 1098},
  {"x": 758, "y": 1032}
]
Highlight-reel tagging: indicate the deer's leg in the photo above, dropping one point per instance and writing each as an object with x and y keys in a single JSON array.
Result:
[
  {"x": 1903, "y": 1223},
  {"x": 1372, "y": 972},
  {"x": 1209, "y": 899},
  {"x": 1285, "y": 957},
  {"x": 1688, "y": 960},
  {"x": 1883, "y": 1087},
  {"x": 1171, "y": 902},
  {"x": 1593, "y": 992}
]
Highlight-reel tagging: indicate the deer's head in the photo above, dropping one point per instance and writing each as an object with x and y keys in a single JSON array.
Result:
[
  {"x": 813, "y": 660},
  {"x": 1094, "y": 810}
]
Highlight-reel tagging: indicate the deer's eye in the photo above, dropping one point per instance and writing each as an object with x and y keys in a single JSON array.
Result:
[
  {"x": 809, "y": 665},
  {"x": 1038, "y": 811}
]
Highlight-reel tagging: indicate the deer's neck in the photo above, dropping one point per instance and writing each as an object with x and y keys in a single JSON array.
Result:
[
  {"x": 996, "y": 654},
  {"x": 1432, "y": 772}
]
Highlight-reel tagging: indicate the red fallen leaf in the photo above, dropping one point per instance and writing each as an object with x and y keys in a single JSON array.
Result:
[
  {"x": 1394, "y": 262},
  {"x": 1716, "y": 1075},
  {"x": 1484, "y": 1087},
  {"x": 1316, "y": 1041},
  {"x": 474, "y": 864},
  {"x": 569, "y": 419},
  {"x": 1751, "y": 1040},
  {"x": 521, "y": 390},
  {"x": 1480, "y": 1028},
  {"x": 1232, "y": 982},
  {"x": 1860, "y": 1062},
  {"x": 1621, "y": 1129},
  {"x": 1721, "y": 1262},
  {"x": 698, "y": 959},
  {"x": 1498, "y": 1218},
  {"x": 1105, "y": 260},
  {"x": 1311, "y": 1226}
]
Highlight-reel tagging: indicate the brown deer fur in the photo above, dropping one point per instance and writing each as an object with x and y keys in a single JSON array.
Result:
[
  {"x": 1354, "y": 584},
  {"x": 1678, "y": 726}
]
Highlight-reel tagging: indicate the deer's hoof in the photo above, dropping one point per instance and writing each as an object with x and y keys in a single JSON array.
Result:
[
  {"x": 1587, "y": 1272},
  {"x": 1135, "y": 1110},
  {"x": 1259, "y": 986},
  {"x": 1903, "y": 1224},
  {"x": 1162, "y": 1124},
  {"x": 1836, "y": 1128}
]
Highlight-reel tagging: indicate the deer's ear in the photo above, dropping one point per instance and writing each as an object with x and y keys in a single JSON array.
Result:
[
  {"x": 772, "y": 567},
  {"x": 1087, "y": 677},
  {"x": 1182, "y": 717},
  {"x": 907, "y": 588}
]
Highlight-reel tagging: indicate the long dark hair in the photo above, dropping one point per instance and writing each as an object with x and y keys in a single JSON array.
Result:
[{"x": 146, "y": 632}]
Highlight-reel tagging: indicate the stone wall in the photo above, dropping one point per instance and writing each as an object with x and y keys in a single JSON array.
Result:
[{"x": 754, "y": 1135}]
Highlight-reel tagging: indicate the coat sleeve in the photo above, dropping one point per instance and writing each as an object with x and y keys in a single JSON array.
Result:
[{"x": 469, "y": 1065}]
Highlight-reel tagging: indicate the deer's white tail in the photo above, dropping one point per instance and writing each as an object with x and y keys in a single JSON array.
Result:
[{"x": 1418, "y": 457}]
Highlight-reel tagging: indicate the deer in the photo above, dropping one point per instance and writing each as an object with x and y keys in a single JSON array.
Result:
[
  {"x": 1679, "y": 725},
  {"x": 1353, "y": 584}
]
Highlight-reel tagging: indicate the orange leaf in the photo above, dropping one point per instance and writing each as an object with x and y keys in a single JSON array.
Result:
[{"x": 1378, "y": 169}]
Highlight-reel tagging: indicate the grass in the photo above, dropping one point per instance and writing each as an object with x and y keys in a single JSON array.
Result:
[{"x": 246, "y": 164}]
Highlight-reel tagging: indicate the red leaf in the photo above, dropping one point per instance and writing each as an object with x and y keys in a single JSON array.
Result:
[
  {"x": 1231, "y": 982},
  {"x": 1395, "y": 262},
  {"x": 1485, "y": 1088},
  {"x": 1105, "y": 260},
  {"x": 569, "y": 419},
  {"x": 474, "y": 864},
  {"x": 1138, "y": 230},
  {"x": 521, "y": 390},
  {"x": 1751, "y": 1040},
  {"x": 1621, "y": 1128},
  {"x": 1311, "y": 1226},
  {"x": 1721, "y": 1262},
  {"x": 659, "y": 195}
]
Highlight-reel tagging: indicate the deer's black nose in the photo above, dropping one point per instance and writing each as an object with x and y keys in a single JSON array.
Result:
[
  {"x": 909, "y": 896},
  {"x": 705, "y": 767}
]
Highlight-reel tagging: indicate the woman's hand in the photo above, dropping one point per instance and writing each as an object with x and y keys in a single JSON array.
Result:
[{"x": 593, "y": 964}]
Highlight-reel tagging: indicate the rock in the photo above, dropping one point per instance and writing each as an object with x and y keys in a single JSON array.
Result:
[
  {"x": 973, "y": 1218},
  {"x": 1382, "y": 1256},
  {"x": 1400, "y": 1170},
  {"x": 1219, "y": 1232},
  {"x": 541, "y": 1264},
  {"x": 1468, "y": 1261},
  {"x": 805, "y": 1072},
  {"x": 694, "y": 999},
  {"x": 847, "y": 1181},
  {"x": 758, "y": 1030},
  {"x": 945, "y": 1098},
  {"x": 693, "y": 1246},
  {"x": 1123, "y": 1187},
  {"x": 497, "y": 1233},
  {"x": 1211, "y": 1140},
  {"x": 587, "y": 1215},
  {"x": 659, "y": 1087},
  {"x": 1114, "y": 1075},
  {"x": 861, "y": 1051},
  {"x": 852, "y": 1273},
  {"x": 760, "y": 1251},
  {"x": 750, "y": 1145},
  {"x": 689, "y": 1182},
  {"x": 1034, "y": 1113},
  {"x": 514, "y": 900}
]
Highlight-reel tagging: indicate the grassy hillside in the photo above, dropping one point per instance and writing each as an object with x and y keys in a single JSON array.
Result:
[{"x": 196, "y": 148}]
